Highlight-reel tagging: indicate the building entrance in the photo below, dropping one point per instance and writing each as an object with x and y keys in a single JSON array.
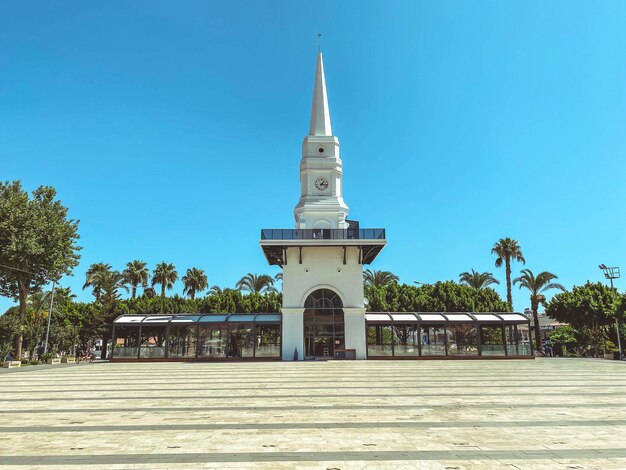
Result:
[{"x": 323, "y": 324}]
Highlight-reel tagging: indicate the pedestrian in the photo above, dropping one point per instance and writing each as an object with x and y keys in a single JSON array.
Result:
[{"x": 40, "y": 350}]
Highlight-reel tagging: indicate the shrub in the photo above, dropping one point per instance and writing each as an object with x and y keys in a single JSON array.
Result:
[
  {"x": 34, "y": 362},
  {"x": 25, "y": 362},
  {"x": 47, "y": 356}
]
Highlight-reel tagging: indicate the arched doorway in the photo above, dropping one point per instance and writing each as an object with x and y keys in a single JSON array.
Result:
[{"x": 323, "y": 324}]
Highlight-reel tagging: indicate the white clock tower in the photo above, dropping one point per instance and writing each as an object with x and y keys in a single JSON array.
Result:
[
  {"x": 321, "y": 202},
  {"x": 323, "y": 312}
]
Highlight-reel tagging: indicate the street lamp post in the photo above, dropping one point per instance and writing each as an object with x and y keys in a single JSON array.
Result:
[
  {"x": 611, "y": 273},
  {"x": 45, "y": 348}
]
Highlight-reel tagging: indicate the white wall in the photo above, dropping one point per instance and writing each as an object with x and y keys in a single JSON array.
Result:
[
  {"x": 354, "y": 319},
  {"x": 293, "y": 333},
  {"x": 322, "y": 267}
]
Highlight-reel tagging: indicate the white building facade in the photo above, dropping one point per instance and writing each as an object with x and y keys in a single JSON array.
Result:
[{"x": 323, "y": 313}]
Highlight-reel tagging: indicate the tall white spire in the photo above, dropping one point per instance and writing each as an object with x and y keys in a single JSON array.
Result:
[
  {"x": 320, "y": 115},
  {"x": 321, "y": 202}
]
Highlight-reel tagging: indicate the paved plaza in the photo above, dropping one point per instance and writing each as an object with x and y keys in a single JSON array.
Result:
[{"x": 525, "y": 414}]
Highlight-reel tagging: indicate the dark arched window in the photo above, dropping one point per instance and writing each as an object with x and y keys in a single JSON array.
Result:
[
  {"x": 323, "y": 324},
  {"x": 323, "y": 298}
]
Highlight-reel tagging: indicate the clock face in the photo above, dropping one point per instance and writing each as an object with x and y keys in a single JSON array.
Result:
[{"x": 321, "y": 184}]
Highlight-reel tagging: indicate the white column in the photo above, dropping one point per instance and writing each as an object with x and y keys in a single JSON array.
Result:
[
  {"x": 354, "y": 320},
  {"x": 293, "y": 333}
]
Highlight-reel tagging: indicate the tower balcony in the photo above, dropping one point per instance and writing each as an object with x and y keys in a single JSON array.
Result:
[{"x": 275, "y": 242}]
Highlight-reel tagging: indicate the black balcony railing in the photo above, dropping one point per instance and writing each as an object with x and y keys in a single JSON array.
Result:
[{"x": 323, "y": 234}]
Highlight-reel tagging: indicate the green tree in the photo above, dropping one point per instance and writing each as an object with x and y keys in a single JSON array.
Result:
[
  {"x": 477, "y": 280},
  {"x": 94, "y": 276},
  {"x": 112, "y": 282},
  {"x": 215, "y": 290},
  {"x": 254, "y": 283},
  {"x": 38, "y": 244},
  {"x": 37, "y": 312},
  {"x": 542, "y": 282},
  {"x": 591, "y": 309},
  {"x": 165, "y": 275},
  {"x": 438, "y": 297},
  {"x": 136, "y": 274},
  {"x": 507, "y": 250},
  {"x": 569, "y": 339},
  {"x": 149, "y": 292},
  {"x": 105, "y": 283},
  {"x": 8, "y": 330},
  {"x": 379, "y": 278},
  {"x": 195, "y": 281}
]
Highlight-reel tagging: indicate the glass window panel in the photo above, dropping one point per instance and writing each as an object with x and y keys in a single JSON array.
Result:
[
  {"x": 379, "y": 339},
  {"x": 130, "y": 319},
  {"x": 377, "y": 317},
  {"x": 158, "y": 319},
  {"x": 431, "y": 317},
  {"x": 513, "y": 317},
  {"x": 153, "y": 342},
  {"x": 433, "y": 340},
  {"x": 405, "y": 340},
  {"x": 213, "y": 318},
  {"x": 515, "y": 344},
  {"x": 462, "y": 340},
  {"x": 185, "y": 318},
  {"x": 268, "y": 341},
  {"x": 404, "y": 317},
  {"x": 182, "y": 341},
  {"x": 491, "y": 340},
  {"x": 486, "y": 317},
  {"x": 242, "y": 339},
  {"x": 126, "y": 341},
  {"x": 212, "y": 341},
  {"x": 458, "y": 317},
  {"x": 268, "y": 317},
  {"x": 241, "y": 318}
]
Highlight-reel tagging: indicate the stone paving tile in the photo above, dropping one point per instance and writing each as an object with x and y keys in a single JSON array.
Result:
[{"x": 546, "y": 413}]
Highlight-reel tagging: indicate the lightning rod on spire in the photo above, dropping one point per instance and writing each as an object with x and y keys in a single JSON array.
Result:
[{"x": 319, "y": 42}]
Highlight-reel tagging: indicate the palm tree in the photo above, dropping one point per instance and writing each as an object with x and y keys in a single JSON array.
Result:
[
  {"x": 476, "y": 280},
  {"x": 111, "y": 282},
  {"x": 216, "y": 290},
  {"x": 508, "y": 250},
  {"x": 37, "y": 301},
  {"x": 257, "y": 284},
  {"x": 105, "y": 283},
  {"x": 93, "y": 278},
  {"x": 278, "y": 277},
  {"x": 379, "y": 278},
  {"x": 165, "y": 275},
  {"x": 63, "y": 294},
  {"x": 536, "y": 285},
  {"x": 136, "y": 274},
  {"x": 195, "y": 281}
]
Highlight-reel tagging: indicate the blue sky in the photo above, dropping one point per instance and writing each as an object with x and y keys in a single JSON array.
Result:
[{"x": 172, "y": 130}]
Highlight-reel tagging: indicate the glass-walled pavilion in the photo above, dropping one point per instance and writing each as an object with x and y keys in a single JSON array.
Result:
[
  {"x": 458, "y": 335},
  {"x": 197, "y": 337},
  {"x": 407, "y": 335}
]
